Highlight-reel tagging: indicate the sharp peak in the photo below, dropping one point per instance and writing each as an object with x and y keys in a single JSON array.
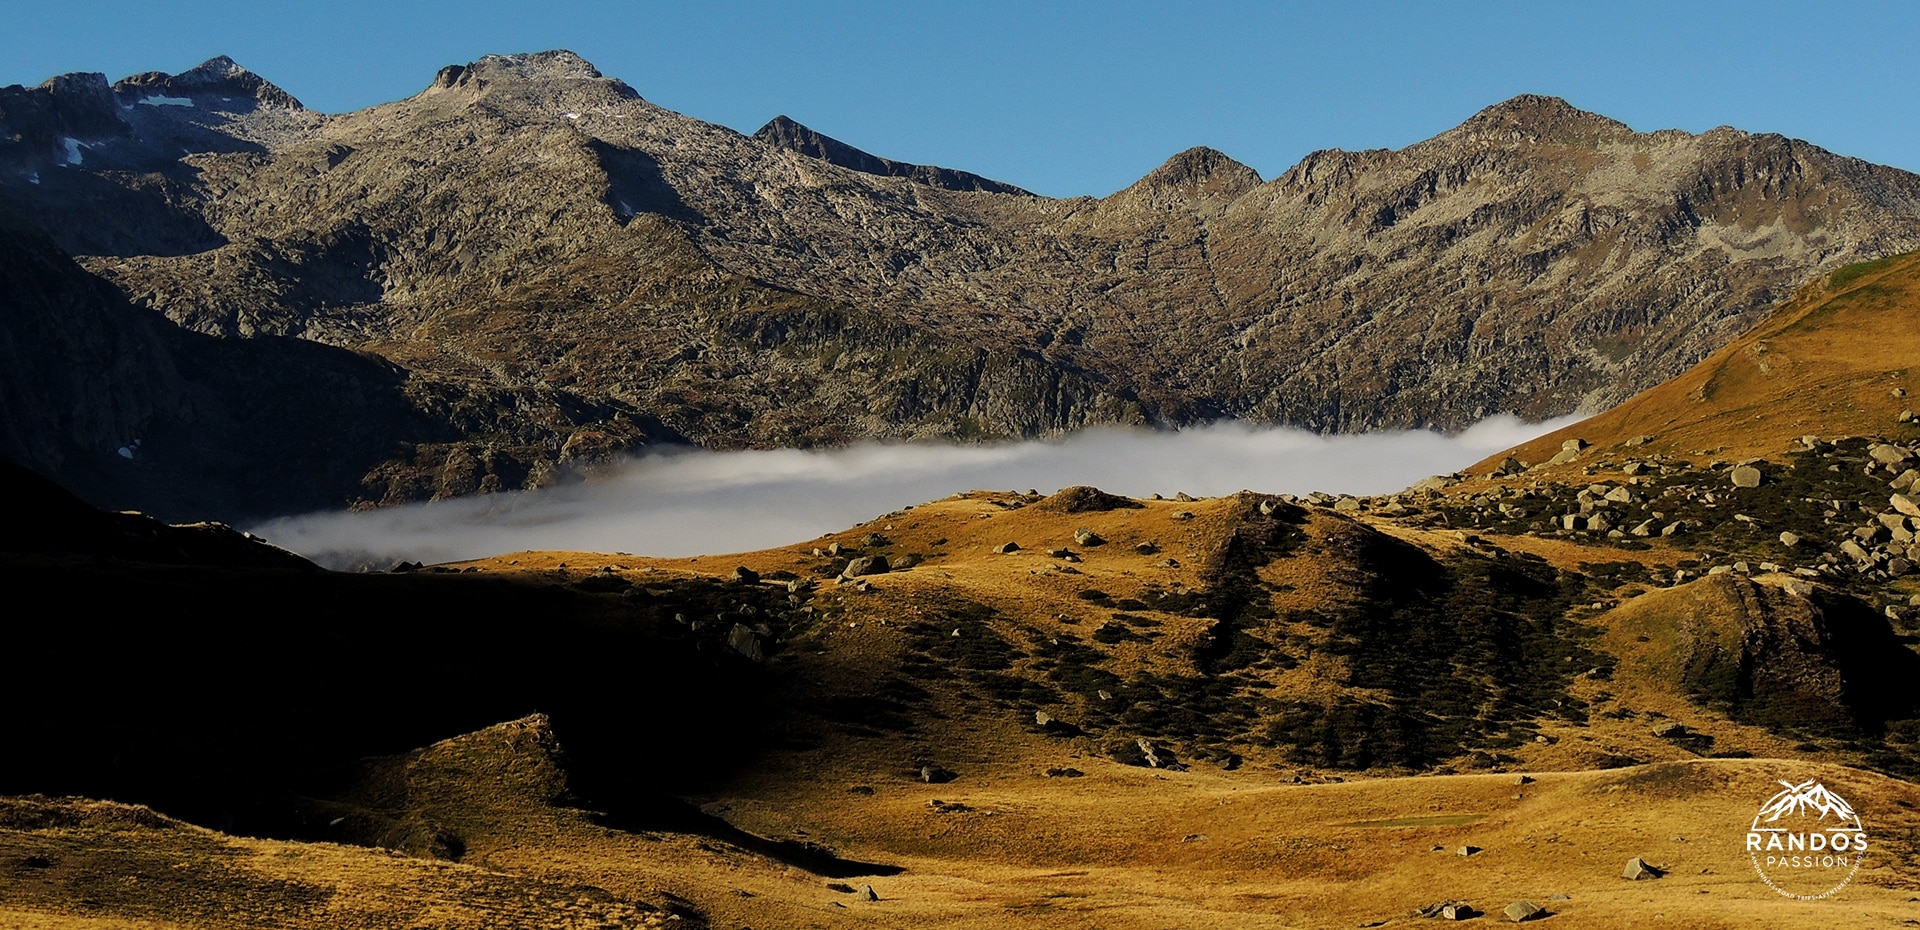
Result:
[
  {"x": 1539, "y": 115},
  {"x": 1199, "y": 165},
  {"x": 218, "y": 66},
  {"x": 217, "y": 74}
]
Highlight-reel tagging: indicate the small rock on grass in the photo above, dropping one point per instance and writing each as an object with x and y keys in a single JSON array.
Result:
[{"x": 1520, "y": 911}]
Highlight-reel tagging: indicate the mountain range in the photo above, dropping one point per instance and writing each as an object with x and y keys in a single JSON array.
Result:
[{"x": 526, "y": 267}]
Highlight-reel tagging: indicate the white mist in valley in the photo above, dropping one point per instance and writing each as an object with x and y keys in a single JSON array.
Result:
[{"x": 693, "y": 502}]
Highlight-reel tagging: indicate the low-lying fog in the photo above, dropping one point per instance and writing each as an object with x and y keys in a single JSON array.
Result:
[{"x": 683, "y": 503}]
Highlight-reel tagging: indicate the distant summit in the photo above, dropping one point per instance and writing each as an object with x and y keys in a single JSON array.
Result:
[
  {"x": 217, "y": 76},
  {"x": 782, "y": 132},
  {"x": 557, "y": 66},
  {"x": 1531, "y": 117},
  {"x": 1199, "y": 175}
]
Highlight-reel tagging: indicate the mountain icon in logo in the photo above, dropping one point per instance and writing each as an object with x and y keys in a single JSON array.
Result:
[{"x": 1806, "y": 799}]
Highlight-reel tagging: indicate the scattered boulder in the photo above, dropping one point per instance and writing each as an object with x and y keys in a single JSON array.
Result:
[
  {"x": 1520, "y": 911},
  {"x": 1905, "y": 504},
  {"x": 1347, "y": 504},
  {"x": 1638, "y": 870},
  {"x": 867, "y": 892},
  {"x": 742, "y": 639},
  {"x": 1146, "y": 548},
  {"x": 935, "y": 775},
  {"x": 1671, "y": 730},
  {"x": 745, "y": 575},
  {"x": 867, "y": 565},
  {"x": 1888, "y": 454},
  {"x": 1789, "y": 539},
  {"x": 1087, "y": 537},
  {"x": 1065, "y": 773},
  {"x": 1006, "y": 548},
  {"x": 1084, "y": 499},
  {"x": 1466, "y": 851},
  {"x": 1745, "y": 476},
  {"x": 1448, "y": 910},
  {"x": 1144, "y": 752},
  {"x": 1054, "y": 726},
  {"x": 1185, "y": 498},
  {"x": 1183, "y": 515}
]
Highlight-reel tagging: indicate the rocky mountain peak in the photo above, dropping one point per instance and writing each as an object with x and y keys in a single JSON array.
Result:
[
  {"x": 549, "y": 68},
  {"x": 556, "y": 65},
  {"x": 783, "y": 132},
  {"x": 219, "y": 75},
  {"x": 1195, "y": 176},
  {"x": 1202, "y": 166},
  {"x": 78, "y": 104},
  {"x": 1533, "y": 118}
]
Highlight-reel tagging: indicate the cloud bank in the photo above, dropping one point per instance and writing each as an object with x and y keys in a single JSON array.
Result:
[{"x": 681, "y": 503}]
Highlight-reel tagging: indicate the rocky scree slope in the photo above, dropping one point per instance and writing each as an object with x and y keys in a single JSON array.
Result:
[{"x": 525, "y": 224}]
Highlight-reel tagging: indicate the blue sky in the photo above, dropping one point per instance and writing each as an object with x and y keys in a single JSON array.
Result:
[{"x": 1071, "y": 98}]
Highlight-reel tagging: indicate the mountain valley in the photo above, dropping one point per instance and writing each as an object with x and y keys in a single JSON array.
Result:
[{"x": 1556, "y": 685}]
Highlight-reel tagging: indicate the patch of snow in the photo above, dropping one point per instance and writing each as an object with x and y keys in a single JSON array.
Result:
[
  {"x": 73, "y": 150},
  {"x": 162, "y": 101}
]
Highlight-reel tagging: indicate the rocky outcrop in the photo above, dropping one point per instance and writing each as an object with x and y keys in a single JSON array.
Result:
[
  {"x": 781, "y": 132},
  {"x": 1791, "y": 656}
]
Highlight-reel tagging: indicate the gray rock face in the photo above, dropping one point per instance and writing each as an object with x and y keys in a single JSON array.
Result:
[{"x": 866, "y": 565}]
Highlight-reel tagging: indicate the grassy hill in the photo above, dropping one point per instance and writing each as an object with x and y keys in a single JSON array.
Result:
[{"x": 1842, "y": 358}]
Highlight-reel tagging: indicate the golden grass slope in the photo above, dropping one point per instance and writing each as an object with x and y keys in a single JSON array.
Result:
[{"x": 1842, "y": 358}]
